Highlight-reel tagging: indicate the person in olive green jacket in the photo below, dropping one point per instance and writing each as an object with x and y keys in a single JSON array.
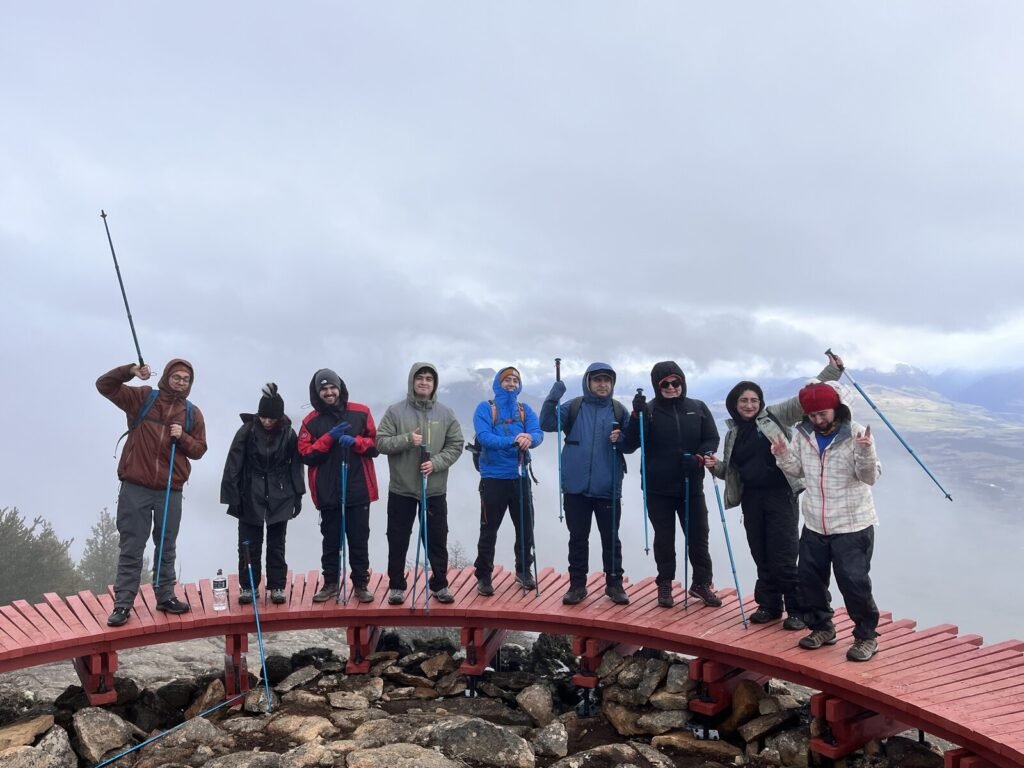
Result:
[
  {"x": 771, "y": 515},
  {"x": 409, "y": 430}
]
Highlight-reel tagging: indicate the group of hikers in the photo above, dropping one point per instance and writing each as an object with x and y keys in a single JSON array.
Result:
[{"x": 803, "y": 453}]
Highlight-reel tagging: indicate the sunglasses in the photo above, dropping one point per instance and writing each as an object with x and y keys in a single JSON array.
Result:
[{"x": 670, "y": 384}]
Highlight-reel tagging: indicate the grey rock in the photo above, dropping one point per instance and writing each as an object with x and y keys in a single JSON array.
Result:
[
  {"x": 58, "y": 746},
  {"x": 22, "y": 733},
  {"x": 907, "y": 753},
  {"x": 98, "y": 732},
  {"x": 308, "y": 756},
  {"x": 405, "y": 679},
  {"x": 378, "y": 733},
  {"x": 792, "y": 746},
  {"x": 687, "y": 743},
  {"x": 653, "y": 674},
  {"x": 244, "y": 725},
  {"x": 451, "y": 684},
  {"x": 477, "y": 741},
  {"x": 669, "y": 701},
  {"x": 493, "y": 710},
  {"x": 411, "y": 660},
  {"x": 299, "y": 677},
  {"x": 349, "y": 720},
  {"x": 195, "y": 732},
  {"x": 759, "y": 727},
  {"x": 552, "y": 740},
  {"x": 300, "y": 728},
  {"x": 630, "y": 697},
  {"x": 609, "y": 756},
  {"x": 370, "y": 688},
  {"x": 256, "y": 701},
  {"x": 652, "y": 756},
  {"x": 246, "y": 760},
  {"x": 150, "y": 712},
  {"x": 331, "y": 681},
  {"x": 609, "y": 667},
  {"x": 399, "y": 756},
  {"x": 536, "y": 701},
  {"x": 632, "y": 672},
  {"x": 657, "y": 723},
  {"x": 435, "y": 666},
  {"x": 25, "y": 757},
  {"x": 304, "y": 699},
  {"x": 178, "y": 693},
  {"x": 346, "y": 700},
  {"x": 677, "y": 679},
  {"x": 211, "y": 696},
  {"x": 622, "y": 719}
]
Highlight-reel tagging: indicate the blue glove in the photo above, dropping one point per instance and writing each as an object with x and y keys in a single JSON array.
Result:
[
  {"x": 338, "y": 430},
  {"x": 557, "y": 390},
  {"x": 346, "y": 441}
]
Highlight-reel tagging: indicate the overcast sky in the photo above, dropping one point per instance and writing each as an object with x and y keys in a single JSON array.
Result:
[{"x": 361, "y": 185}]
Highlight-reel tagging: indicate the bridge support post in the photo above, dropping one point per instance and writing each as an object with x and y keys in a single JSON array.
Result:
[
  {"x": 362, "y": 643},
  {"x": 843, "y": 728},
  {"x": 236, "y": 671},
  {"x": 96, "y": 671},
  {"x": 481, "y": 646},
  {"x": 715, "y": 685},
  {"x": 964, "y": 758}
]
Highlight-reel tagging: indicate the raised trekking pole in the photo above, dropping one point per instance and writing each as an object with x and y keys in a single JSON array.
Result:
[
  {"x": 643, "y": 475},
  {"x": 256, "y": 615},
  {"x": 615, "y": 472},
  {"x": 131, "y": 323},
  {"x": 424, "y": 519},
  {"x": 686, "y": 533},
  {"x": 163, "y": 526},
  {"x": 522, "y": 529},
  {"x": 889, "y": 425},
  {"x": 558, "y": 438},
  {"x": 342, "y": 551},
  {"x": 728, "y": 546}
]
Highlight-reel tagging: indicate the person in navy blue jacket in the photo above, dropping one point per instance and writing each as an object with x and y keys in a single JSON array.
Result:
[
  {"x": 506, "y": 430},
  {"x": 592, "y": 470}
]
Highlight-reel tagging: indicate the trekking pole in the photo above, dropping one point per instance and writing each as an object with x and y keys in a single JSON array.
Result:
[
  {"x": 522, "y": 529},
  {"x": 256, "y": 615},
  {"x": 643, "y": 475},
  {"x": 558, "y": 439},
  {"x": 163, "y": 527},
  {"x": 533, "y": 531},
  {"x": 424, "y": 519},
  {"x": 131, "y": 323},
  {"x": 728, "y": 546},
  {"x": 881, "y": 415},
  {"x": 342, "y": 551},
  {"x": 686, "y": 535},
  {"x": 615, "y": 472}
]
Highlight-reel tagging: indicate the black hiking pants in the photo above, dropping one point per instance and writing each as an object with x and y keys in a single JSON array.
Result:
[
  {"x": 849, "y": 556},
  {"x": 579, "y": 511},
  {"x": 771, "y": 517},
  {"x": 663, "y": 512},
  {"x": 402, "y": 513},
  {"x": 357, "y": 535},
  {"x": 496, "y": 497},
  {"x": 277, "y": 568}
]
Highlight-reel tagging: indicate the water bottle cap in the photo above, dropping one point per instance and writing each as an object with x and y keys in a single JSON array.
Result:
[{"x": 220, "y": 571}]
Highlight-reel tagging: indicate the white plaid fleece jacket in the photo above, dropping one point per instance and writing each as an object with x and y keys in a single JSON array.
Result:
[{"x": 837, "y": 498}]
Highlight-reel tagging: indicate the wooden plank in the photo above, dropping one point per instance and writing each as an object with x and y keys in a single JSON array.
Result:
[
  {"x": 44, "y": 636},
  {"x": 66, "y": 615}
]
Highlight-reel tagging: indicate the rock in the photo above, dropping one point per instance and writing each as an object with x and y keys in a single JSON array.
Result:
[
  {"x": 151, "y": 713},
  {"x": 316, "y": 657},
  {"x": 25, "y": 757},
  {"x": 513, "y": 657},
  {"x": 178, "y": 693},
  {"x": 477, "y": 741},
  {"x": 654, "y": 673},
  {"x": 435, "y": 666},
  {"x": 24, "y": 732},
  {"x": 745, "y": 700},
  {"x": 98, "y": 732},
  {"x": 656, "y": 723},
  {"x": 299, "y": 677},
  {"x": 370, "y": 688},
  {"x": 399, "y": 756},
  {"x": 552, "y": 655},
  {"x": 451, "y": 684},
  {"x": 908, "y": 753},
  {"x": 300, "y": 728},
  {"x": 346, "y": 700},
  {"x": 632, "y": 672},
  {"x": 246, "y": 760},
  {"x": 244, "y": 725},
  {"x": 537, "y": 703},
  {"x": 378, "y": 733},
  {"x": 412, "y": 660},
  {"x": 256, "y": 701},
  {"x": 616, "y": 756},
  {"x": 653, "y": 756},
  {"x": 405, "y": 679},
  {"x": 308, "y": 756},
  {"x": 304, "y": 699},
  {"x": 684, "y": 741},
  {"x": 630, "y": 697},
  {"x": 669, "y": 701},
  {"x": 349, "y": 720},
  {"x": 210, "y": 697},
  {"x": 621, "y": 718},
  {"x": 551, "y": 741},
  {"x": 488, "y": 709},
  {"x": 494, "y": 692},
  {"x": 196, "y": 732},
  {"x": 392, "y": 641},
  {"x": 278, "y": 668},
  {"x": 677, "y": 679},
  {"x": 609, "y": 667},
  {"x": 792, "y": 746},
  {"x": 58, "y": 746},
  {"x": 759, "y": 727},
  {"x": 514, "y": 681},
  {"x": 397, "y": 694},
  {"x": 330, "y": 681}
]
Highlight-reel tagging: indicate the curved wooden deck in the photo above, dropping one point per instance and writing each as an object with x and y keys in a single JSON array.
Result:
[{"x": 934, "y": 679}]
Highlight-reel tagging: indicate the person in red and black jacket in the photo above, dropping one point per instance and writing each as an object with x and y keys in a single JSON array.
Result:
[{"x": 337, "y": 430}]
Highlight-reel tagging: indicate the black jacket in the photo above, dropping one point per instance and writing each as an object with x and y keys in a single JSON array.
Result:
[{"x": 262, "y": 480}]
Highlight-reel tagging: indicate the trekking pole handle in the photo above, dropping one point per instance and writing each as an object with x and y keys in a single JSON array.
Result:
[
  {"x": 558, "y": 369},
  {"x": 424, "y": 454},
  {"x": 831, "y": 354}
]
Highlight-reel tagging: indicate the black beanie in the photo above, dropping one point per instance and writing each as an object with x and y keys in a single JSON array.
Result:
[{"x": 271, "y": 404}]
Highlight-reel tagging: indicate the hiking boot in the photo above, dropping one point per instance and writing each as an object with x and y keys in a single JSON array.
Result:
[
  {"x": 118, "y": 617},
  {"x": 396, "y": 596},
  {"x": 530, "y": 582},
  {"x": 706, "y": 592},
  {"x": 361, "y": 593},
  {"x": 173, "y": 605},
  {"x": 574, "y": 595},
  {"x": 277, "y": 596},
  {"x": 245, "y": 597},
  {"x": 614, "y": 590},
  {"x": 793, "y": 623},
  {"x": 326, "y": 593},
  {"x": 442, "y": 595},
  {"x": 665, "y": 595},
  {"x": 818, "y": 638},
  {"x": 484, "y": 586},
  {"x": 764, "y": 616},
  {"x": 862, "y": 650}
]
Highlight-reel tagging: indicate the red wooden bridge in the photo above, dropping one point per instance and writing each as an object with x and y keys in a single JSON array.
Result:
[{"x": 934, "y": 679}]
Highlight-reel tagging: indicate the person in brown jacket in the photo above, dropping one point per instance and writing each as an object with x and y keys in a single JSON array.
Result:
[{"x": 156, "y": 419}]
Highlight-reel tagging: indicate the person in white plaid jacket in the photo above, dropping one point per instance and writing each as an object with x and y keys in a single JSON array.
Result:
[{"x": 836, "y": 458}]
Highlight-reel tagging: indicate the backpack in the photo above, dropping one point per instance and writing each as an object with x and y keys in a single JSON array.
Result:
[
  {"x": 147, "y": 406},
  {"x": 475, "y": 448},
  {"x": 618, "y": 410}
]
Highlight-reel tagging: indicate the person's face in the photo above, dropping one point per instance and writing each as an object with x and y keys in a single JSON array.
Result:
[
  {"x": 423, "y": 385},
  {"x": 671, "y": 387},
  {"x": 510, "y": 383},
  {"x": 748, "y": 404},
  {"x": 823, "y": 421},
  {"x": 179, "y": 381},
  {"x": 330, "y": 394},
  {"x": 601, "y": 384},
  {"x": 268, "y": 423}
]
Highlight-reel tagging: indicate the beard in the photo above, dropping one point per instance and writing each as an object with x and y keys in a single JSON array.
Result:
[{"x": 826, "y": 429}]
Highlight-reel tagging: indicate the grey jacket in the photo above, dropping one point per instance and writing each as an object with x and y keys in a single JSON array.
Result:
[
  {"x": 772, "y": 421},
  {"x": 441, "y": 433}
]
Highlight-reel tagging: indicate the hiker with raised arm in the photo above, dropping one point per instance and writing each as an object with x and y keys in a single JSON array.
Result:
[
  {"x": 263, "y": 487},
  {"x": 165, "y": 434},
  {"x": 506, "y": 430},
  {"x": 340, "y": 433},
  {"x": 771, "y": 512},
  {"x": 419, "y": 421},
  {"x": 836, "y": 458},
  {"x": 592, "y": 472},
  {"x": 679, "y": 430}
]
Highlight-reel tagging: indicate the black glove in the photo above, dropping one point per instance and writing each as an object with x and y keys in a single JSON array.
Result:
[
  {"x": 298, "y": 508},
  {"x": 639, "y": 403}
]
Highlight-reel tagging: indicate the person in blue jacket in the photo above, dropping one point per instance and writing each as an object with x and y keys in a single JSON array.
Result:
[
  {"x": 506, "y": 430},
  {"x": 592, "y": 470}
]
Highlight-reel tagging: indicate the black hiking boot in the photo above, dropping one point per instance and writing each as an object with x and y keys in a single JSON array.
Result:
[
  {"x": 665, "y": 594},
  {"x": 574, "y": 595},
  {"x": 613, "y": 589}
]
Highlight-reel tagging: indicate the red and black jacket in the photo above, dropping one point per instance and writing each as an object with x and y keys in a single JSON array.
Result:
[{"x": 323, "y": 456}]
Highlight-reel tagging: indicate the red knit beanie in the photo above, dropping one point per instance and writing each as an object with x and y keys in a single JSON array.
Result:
[{"x": 818, "y": 397}]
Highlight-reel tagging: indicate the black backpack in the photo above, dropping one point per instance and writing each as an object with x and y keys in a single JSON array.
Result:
[{"x": 618, "y": 409}]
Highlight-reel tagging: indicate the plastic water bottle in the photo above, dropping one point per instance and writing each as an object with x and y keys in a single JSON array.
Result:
[{"x": 220, "y": 591}]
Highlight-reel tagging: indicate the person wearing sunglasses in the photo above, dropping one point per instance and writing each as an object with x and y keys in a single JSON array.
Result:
[
  {"x": 678, "y": 432},
  {"x": 768, "y": 497}
]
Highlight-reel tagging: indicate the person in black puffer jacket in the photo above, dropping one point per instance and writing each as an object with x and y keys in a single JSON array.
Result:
[{"x": 678, "y": 432}]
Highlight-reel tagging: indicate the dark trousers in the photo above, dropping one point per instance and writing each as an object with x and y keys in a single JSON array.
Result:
[
  {"x": 140, "y": 512},
  {"x": 357, "y": 534},
  {"x": 663, "y": 512},
  {"x": 772, "y": 520},
  {"x": 497, "y": 496},
  {"x": 277, "y": 568},
  {"x": 849, "y": 555},
  {"x": 402, "y": 512},
  {"x": 579, "y": 510}
]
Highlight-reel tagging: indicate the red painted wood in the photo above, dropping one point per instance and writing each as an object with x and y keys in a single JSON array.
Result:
[{"x": 42, "y": 633}]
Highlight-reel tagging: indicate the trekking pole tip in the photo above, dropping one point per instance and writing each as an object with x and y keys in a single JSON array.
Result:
[
  {"x": 949, "y": 497},
  {"x": 103, "y": 214}
]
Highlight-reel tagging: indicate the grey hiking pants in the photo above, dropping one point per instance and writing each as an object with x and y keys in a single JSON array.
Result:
[{"x": 140, "y": 511}]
